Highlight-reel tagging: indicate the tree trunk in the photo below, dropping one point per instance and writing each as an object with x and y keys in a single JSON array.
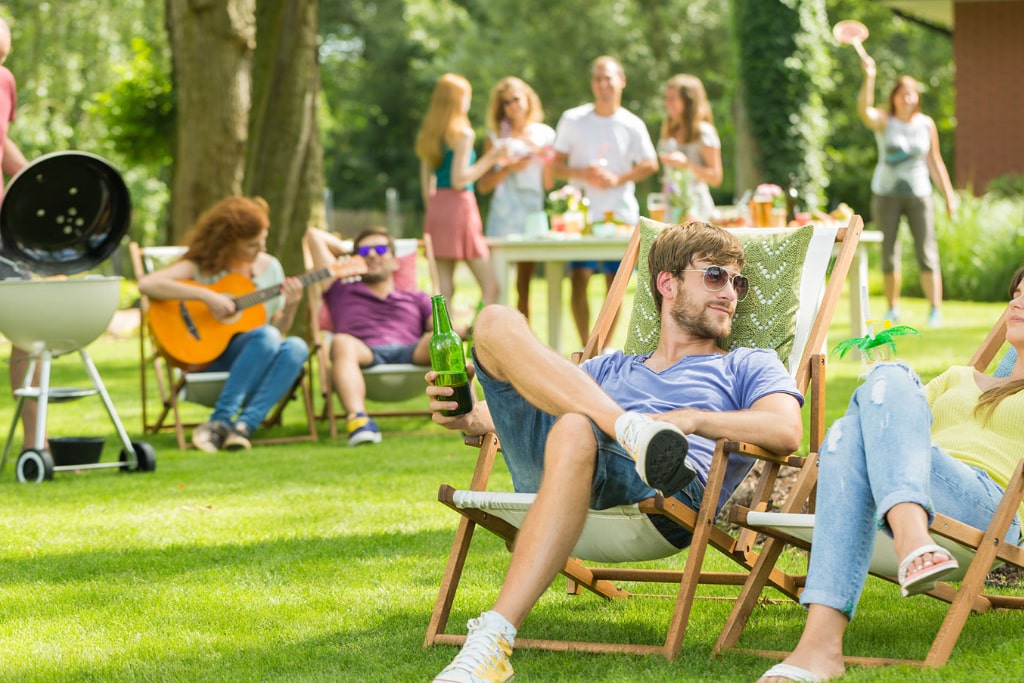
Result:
[
  {"x": 212, "y": 43},
  {"x": 284, "y": 163},
  {"x": 747, "y": 159}
]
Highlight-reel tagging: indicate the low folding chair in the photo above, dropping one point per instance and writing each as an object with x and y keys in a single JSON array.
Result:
[
  {"x": 787, "y": 266},
  {"x": 977, "y": 551},
  {"x": 386, "y": 383},
  {"x": 164, "y": 387}
]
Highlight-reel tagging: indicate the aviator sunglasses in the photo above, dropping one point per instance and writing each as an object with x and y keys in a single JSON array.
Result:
[
  {"x": 379, "y": 249},
  {"x": 715, "y": 278}
]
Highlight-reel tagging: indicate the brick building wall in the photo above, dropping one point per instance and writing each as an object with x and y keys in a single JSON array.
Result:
[{"x": 989, "y": 53}]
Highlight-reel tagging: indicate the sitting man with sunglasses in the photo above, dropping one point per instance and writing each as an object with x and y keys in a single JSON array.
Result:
[
  {"x": 374, "y": 321},
  {"x": 616, "y": 428}
]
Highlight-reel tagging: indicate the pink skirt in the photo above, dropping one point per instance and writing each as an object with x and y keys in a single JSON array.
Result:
[{"x": 454, "y": 225}]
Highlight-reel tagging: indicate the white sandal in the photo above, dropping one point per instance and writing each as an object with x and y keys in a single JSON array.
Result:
[
  {"x": 791, "y": 673},
  {"x": 930, "y": 572}
]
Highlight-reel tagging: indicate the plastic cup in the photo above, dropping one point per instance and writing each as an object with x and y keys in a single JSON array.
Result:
[
  {"x": 657, "y": 205},
  {"x": 761, "y": 210},
  {"x": 536, "y": 224}
]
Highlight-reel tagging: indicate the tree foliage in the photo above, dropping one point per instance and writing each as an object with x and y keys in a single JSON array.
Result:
[
  {"x": 93, "y": 75},
  {"x": 137, "y": 111},
  {"x": 66, "y": 56},
  {"x": 783, "y": 71}
]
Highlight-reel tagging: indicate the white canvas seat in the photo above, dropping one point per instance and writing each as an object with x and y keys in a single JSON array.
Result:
[
  {"x": 799, "y": 528},
  {"x": 619, "y": 534}
]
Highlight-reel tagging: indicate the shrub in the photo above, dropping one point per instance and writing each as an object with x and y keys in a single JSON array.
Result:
[
  {"x": 1008, "y": 186},
  {"x": 980, "y": 249}
]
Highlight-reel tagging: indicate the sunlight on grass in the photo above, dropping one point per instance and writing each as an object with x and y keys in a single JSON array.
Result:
[{"x": 315, "y": 562}]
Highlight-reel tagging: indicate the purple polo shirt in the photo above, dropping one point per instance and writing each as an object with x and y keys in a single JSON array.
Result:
[{"x": 401, "y": 318}]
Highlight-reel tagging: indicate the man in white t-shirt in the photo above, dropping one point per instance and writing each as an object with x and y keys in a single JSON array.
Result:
[{"x": 603, "y": 149}]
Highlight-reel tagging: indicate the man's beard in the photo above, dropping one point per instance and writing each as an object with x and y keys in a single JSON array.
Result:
[
  {"x": 697, "y": 322},
  {"x": 373, "y": 278}
]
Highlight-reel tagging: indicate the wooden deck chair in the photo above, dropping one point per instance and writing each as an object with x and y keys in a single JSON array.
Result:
[
  {"x": 165, "y": 387},
  {"x": 387, "y": 383},
  {"x": 625, "y": 534},
  {"x": 977, "y": 551}
]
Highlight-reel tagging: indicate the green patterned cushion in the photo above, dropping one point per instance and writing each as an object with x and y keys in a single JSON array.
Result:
[{"x": 766, "y": 319}]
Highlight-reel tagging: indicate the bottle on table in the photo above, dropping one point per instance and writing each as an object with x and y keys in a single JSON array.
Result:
[
  {"x": 448, "y": 359},
  {"x": 792, "y": 200}
]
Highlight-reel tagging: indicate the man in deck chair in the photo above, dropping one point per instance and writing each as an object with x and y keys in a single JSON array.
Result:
[
  {"x": 374, "y": 321},
  {"x": 556, "y": 422}
]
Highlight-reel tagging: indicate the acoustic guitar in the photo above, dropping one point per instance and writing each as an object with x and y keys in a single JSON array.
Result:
[{"x": 190, "y": 337}]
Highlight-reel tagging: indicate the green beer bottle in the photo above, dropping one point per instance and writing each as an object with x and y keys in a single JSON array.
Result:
[{"x": 447, "y": 358}]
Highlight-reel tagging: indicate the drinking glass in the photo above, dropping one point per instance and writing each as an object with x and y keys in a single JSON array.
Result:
[{"x": 657, "y": 205}]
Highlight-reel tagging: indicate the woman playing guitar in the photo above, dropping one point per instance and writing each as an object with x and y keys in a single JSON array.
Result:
[{"x": 226, "y": 254}]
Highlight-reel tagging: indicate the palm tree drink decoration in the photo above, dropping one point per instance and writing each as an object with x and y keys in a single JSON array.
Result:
[{"x": 875, "y": 347}]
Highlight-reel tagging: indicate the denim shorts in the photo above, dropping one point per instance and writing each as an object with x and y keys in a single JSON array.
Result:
[
  {"x": 606, "y": 267},
  {"x": 390, "y": 354},
  {"x": 523, "y": 430}
]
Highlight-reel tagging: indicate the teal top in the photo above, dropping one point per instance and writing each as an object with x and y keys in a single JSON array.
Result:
[{"x": 443, "y": 174}]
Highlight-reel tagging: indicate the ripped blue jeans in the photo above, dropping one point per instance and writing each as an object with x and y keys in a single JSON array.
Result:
[{"x": 878, "y": 454}]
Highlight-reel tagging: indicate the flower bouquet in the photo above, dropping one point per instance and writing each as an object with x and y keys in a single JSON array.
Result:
[
  {"x": 564, "y": 207},
  {"x": 678, "y": 182},
  {"x": 771, "y": 192},
  {"x": 562, "y": 200}
]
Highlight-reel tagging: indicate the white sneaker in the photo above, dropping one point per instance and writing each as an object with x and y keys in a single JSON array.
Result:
[
  {"x": 209, "y": 436},
  {"x": 659, "y": 449},
  {"x": 237, "y": 438},
  {"x": 484, "y": 656}
]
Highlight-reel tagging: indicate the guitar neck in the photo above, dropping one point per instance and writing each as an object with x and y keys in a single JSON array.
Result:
[{"x": 267, "y": 293}]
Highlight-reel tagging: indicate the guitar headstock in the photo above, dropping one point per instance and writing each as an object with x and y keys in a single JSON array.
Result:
[{"x": 349, "y": 268}]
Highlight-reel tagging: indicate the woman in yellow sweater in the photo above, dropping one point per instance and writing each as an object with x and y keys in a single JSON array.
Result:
[{"x": 902, "y": 452}]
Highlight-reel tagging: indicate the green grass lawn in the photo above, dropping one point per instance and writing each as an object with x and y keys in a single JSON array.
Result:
[{"x": 317, "y": 562}]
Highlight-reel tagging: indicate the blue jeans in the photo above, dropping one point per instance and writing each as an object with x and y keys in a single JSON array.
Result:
[
  {"x": 877, "y": 455},
  {"x": 523, "y": 430},
  {"x": 392, "y": 353},
  {"x": 262, "y": 368},
  {"x": 606, "y": 267}
]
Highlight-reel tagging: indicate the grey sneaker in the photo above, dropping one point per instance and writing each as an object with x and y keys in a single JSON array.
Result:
[
  {"x": 484, "y": 658},
  {"x": 209, "y": 436},
  {"x": 237, "y": 438},
  {"x": 659, "y": 450}
]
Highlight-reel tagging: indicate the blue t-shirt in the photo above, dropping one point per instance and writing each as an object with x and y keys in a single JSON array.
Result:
[{"x": 718, "y": 382}]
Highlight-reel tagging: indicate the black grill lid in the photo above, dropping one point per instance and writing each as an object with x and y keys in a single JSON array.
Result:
[{"x": 64, "y": 213}]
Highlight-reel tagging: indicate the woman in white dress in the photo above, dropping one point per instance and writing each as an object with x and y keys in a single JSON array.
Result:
[
  {"x": 689, "y": 140},
  {"x": 515, "y": 122}
]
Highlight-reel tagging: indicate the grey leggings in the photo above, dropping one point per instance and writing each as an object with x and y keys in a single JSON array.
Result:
[{"x": 920, "y": 214}]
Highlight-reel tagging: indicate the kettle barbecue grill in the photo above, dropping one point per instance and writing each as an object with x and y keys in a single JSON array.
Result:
[{"x": 63, "y": 214}]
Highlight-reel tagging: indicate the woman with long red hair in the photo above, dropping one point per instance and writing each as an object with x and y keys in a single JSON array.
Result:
[
  {"x": 262, "y": 364},
  {"x": 448, "y": 169}
]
